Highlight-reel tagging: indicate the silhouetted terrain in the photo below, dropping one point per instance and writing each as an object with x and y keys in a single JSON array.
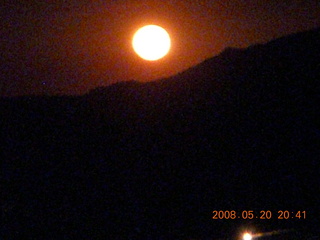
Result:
[{"x": 239, "y": 131}]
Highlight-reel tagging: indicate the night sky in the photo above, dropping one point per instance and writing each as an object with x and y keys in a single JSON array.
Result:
[{"x": 70, "y": 47}]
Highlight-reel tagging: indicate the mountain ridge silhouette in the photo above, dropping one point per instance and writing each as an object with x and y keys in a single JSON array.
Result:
[{"x": 239, "y": 131}]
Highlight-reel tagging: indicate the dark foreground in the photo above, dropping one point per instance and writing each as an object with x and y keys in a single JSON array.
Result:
[{"x": 152, "y": 161}]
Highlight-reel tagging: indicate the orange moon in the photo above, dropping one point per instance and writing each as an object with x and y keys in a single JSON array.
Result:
[{"x": 151, "y": 42}]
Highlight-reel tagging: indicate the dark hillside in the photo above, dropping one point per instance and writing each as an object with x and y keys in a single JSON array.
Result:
[{"x": 239, "y": 131}]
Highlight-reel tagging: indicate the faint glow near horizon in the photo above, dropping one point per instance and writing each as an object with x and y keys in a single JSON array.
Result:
[{"x": 247, "y": 236}]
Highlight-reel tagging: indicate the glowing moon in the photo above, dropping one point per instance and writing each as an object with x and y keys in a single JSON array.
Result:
[{"x": 151, "y": 42}]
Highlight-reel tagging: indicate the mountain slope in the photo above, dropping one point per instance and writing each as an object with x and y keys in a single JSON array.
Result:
[{"x": 237, "y": 132}]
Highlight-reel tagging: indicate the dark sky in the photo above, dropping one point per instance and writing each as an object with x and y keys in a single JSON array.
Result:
[{"x": 71, "y": 46}]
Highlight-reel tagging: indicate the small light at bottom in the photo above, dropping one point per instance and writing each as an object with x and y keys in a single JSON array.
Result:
[{"x": 247, "y": 236}]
